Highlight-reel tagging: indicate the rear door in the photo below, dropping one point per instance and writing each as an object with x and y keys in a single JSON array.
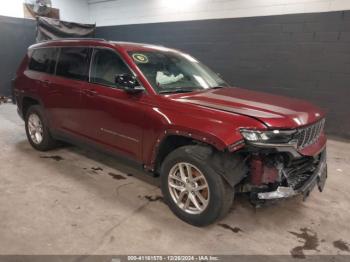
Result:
[
  {"x": 111, "y": 116},
  {"x": 72, "y": 71}
]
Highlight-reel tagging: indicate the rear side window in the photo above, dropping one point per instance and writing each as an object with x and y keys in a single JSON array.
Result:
[
  {"x": 74, "y": 63},
  {"x": 43, "y": 60}
]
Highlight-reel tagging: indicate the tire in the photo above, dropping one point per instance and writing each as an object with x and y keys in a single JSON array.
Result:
[
  {"x": 46, "y": 142},
  {"x": 219, "y": 194}
]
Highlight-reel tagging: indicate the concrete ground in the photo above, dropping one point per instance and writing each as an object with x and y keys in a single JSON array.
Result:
[{"x": 73, "y": 201}]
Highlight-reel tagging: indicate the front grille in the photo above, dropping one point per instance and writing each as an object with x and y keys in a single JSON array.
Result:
[
  {"x": 309, "y": 135},
  {"x": 300, "y": 170}
]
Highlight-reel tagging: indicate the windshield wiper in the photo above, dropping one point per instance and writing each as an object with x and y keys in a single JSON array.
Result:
[{"x": 180, "y": 90}]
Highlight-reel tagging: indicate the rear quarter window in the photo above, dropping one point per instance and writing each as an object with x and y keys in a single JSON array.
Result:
[
  {"x": 74, "y": 63},
  {"x": 43, "y": 60}
]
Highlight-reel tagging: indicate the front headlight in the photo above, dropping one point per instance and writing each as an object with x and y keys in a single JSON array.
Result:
[{"x": 270, "y": 136}]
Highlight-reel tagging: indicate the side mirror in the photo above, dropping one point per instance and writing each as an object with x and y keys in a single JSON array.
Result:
[{"x": 129, "y": 83}]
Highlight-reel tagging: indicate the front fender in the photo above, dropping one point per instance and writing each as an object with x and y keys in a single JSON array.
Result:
[
  {"x": 216, "y": 128},
  {"x": 187, "y": 133}
]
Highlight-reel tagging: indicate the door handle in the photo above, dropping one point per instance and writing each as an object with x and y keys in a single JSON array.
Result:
[
  {"x": 90, "y": 92},
  {"x": 46, "y": 82}
]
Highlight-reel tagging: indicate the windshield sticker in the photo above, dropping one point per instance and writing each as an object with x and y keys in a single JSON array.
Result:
[{"x": 141, "y": 58}]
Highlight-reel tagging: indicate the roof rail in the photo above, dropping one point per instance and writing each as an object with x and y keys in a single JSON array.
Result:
[{"x": 74, "y": 38}]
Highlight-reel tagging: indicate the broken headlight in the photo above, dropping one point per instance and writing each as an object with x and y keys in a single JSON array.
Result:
[{"x": 268, "y": 136}]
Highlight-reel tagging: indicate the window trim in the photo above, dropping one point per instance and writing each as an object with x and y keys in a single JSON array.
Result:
[
  {"x": 121, "y": 58},
  {"x": 57, "y": 57},
  {"x": 31, "y": 57},
  {"x": 89, "y": 62}
]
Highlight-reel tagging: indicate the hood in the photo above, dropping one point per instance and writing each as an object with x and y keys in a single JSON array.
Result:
[{"x": 273, "y": 110}]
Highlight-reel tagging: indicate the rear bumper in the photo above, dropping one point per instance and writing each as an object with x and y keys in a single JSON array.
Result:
[{"x": 318, "y": 178}]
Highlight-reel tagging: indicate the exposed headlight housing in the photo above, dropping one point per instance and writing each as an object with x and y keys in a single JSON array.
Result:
[{"x": 268, "y": 136}]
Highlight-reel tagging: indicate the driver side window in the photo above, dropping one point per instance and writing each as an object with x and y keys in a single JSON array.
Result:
[{"x": 106, "y": 64}]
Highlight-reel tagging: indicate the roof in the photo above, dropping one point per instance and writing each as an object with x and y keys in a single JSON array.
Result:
[
  {"x": 128, "y": 46},
  {"x": 140, "y": 46}
]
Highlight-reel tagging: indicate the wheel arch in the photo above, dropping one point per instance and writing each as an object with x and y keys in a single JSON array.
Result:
[
  {"x": 175, "y": 137},
  {"x": 172, "y": 139},
  {"x": 26, "y": 102},
  {"x": 168, "y": 143},
  {"x": 231, "y": 166}
]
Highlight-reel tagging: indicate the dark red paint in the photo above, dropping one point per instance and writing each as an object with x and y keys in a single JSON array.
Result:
[{"x": 82, "y": 109}]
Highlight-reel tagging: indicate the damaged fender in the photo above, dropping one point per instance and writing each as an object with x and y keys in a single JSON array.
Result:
[{"x": 232, "y": 167}]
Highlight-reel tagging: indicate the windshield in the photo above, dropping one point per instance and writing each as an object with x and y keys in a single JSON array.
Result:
[{"x": 170, "y": 72}]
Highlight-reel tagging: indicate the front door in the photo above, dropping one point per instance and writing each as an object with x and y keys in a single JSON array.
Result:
[{"x": 111, "y": 116}]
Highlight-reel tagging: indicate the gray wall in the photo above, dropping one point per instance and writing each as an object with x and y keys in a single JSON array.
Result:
[
  {"x": 16, "y": 34},
  {"x": 299, "y": 55}
]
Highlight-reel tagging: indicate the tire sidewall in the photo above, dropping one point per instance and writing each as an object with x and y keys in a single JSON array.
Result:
[
  {"x": 215, "y": 183},
  {"x": 45, "y": 143}
]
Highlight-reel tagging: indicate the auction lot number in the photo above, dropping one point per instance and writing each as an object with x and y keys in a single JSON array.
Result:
[{"x": 172, "y": 258}]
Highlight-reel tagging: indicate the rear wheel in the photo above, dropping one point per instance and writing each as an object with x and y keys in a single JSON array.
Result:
[
  {"x": 37, "y": 131},
  {"x": 192, "y": 189}
]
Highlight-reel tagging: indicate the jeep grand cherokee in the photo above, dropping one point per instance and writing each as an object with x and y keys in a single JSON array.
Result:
[{"x": 174, "y": 116}]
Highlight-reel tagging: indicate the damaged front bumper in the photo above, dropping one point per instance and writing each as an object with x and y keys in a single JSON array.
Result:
[{"x": 318, "y": 177}]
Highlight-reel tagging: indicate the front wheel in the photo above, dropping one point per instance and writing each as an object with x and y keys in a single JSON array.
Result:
[{"x": 192, "y": 189}]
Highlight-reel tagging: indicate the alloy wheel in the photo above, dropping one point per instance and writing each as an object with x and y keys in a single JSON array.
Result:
[
  {"x": 35, "y": 128},
  {"x": 188, "y": 188}
]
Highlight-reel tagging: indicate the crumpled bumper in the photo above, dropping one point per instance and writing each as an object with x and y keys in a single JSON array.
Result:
[{"x": 318, "y": 178}]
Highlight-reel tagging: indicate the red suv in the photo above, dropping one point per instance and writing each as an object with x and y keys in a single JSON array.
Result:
[{"x": 175, "y": 117}]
